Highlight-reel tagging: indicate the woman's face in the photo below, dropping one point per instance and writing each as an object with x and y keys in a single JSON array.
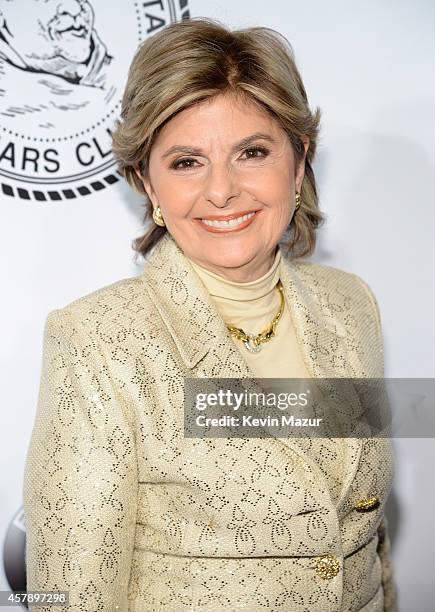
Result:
[{"x": 222, "y": 159}]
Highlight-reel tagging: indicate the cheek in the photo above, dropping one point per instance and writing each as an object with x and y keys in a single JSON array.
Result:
[
  {"x": 86, "y": 15},
  {"x": 176, "y": 196},
  {"x": 272, "y": 184},
  {"x": 272, "y": 175}
]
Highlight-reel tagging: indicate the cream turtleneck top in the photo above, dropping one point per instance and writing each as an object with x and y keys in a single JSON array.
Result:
[{"x": 252, "y": 306}]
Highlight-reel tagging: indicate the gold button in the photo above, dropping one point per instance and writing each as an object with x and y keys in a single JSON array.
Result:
[
  {"x": 327, "y": 566},
  {"x": 367, "y": 503}
]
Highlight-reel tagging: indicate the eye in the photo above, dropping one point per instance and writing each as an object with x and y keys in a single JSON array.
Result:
[
  {"x": 257, "y": 149},
  {"x": 178, "y": 164}
]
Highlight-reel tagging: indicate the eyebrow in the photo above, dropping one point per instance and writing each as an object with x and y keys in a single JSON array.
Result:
[{"x": 245, "y": 142}]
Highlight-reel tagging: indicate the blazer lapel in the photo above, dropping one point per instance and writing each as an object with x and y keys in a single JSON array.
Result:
[
  {"x": 201, "y": 335},
  {"x": 324, "y": 346}
]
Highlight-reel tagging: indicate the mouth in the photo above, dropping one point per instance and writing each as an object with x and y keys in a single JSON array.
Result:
[
  {"x": 78, "y": 32},
  {"x": 228, "y": 223}
]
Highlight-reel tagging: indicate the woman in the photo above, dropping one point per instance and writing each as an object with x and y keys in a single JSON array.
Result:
[{"x": 124, "y": 511}]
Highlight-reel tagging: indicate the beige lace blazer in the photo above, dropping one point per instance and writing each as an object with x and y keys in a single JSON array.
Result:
[{"x": 126, "y": 514}]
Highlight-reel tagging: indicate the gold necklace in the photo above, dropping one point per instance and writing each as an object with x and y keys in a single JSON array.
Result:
[{"x": 253, "y": 342}]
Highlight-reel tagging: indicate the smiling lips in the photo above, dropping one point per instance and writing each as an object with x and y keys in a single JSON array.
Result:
[{"x": 227, "y": 223}]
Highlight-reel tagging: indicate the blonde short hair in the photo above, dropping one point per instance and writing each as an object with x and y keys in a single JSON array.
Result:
[{"x": 190, "y": 61}]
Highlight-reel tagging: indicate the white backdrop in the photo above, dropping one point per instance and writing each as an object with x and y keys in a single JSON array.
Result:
[{"x": 370, "y": 67}]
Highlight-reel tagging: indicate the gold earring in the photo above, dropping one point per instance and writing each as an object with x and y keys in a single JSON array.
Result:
[
  {"x": 298, "y": 200},
  {"x": 157, "y": 216}
]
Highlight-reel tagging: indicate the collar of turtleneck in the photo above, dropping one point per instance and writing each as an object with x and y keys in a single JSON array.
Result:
[
  {"x": 220, "y": 287},
  {"x": 250, "y": 305}
]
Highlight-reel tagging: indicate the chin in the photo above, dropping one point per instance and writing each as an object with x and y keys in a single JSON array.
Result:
[{"x": 231, "y": 261}]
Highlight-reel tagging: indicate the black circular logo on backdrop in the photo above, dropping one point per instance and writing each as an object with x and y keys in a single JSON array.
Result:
[
  {"x": 63, "y": 68},
  {"x": 14, "y": 552}
]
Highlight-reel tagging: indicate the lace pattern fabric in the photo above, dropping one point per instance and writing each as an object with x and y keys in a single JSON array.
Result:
[{"x": 126, "y": 514}]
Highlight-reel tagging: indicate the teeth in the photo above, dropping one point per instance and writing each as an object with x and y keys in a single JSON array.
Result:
[{"x": 230, "y": 223}]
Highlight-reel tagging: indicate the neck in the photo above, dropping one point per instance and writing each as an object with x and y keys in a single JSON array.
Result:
[{"x": 247, "y": 273}]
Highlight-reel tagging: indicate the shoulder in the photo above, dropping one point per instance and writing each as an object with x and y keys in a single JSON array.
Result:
[
  {"x": 348, "y": 302},
  {"x": 316, "y": 273},
  {"x": 108, "y": 313},
  {"x": 346, "y": 297},
  {"x": 325, "y": 278}
]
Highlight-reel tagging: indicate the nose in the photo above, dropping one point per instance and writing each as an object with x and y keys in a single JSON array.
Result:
[
  {"x": 69, "y": 7},
  {"x": 221, "y": 186}
]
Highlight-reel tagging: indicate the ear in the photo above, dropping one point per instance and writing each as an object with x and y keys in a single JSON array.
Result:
[
  {"x": 301, "y": 168},
  {"x": 147, "y": 185},
  {"x": 137, "y": 172}
]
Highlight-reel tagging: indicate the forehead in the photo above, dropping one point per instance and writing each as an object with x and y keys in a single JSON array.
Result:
[
  {"x": 33, "y": 7},
  {"x": 224, "y": 116}
]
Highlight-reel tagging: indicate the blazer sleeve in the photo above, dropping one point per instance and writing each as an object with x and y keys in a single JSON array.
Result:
[
  {"x": 80, "y": 476},
  {"x": 384, "y": 543}
]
